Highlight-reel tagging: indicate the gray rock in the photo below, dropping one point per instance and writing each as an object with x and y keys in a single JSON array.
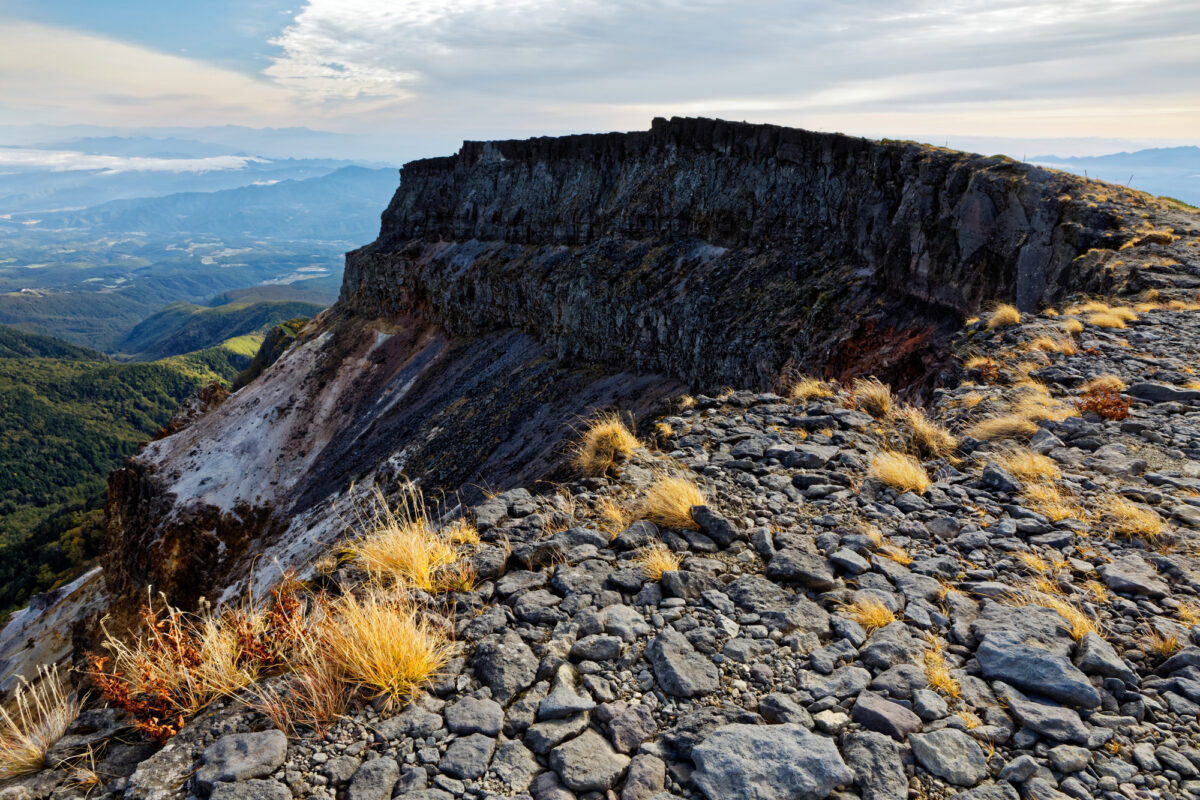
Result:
[
  {"x": 807, "y": 569},
  {"x": 587, "y": 763},
  {"x": 564, "y": 700},
  {"x": 883, "y": 716},
  {"x": 253, "y": 789},
  {"x": 1067, "y": 758},
  {"x": 413, "y": 721},
  {"x": 161, "y": 776},
  {"x": 468, "y": 757},
  {"x": 475, "y": 715},
  {"x": 929, "y": 705},
  {"x": 239, "y": 756},
  {"x": 596, "y": 647},
  {"x": 843, "y": 682},
  {"x": 714, "y": 526},
  {"x": 991, "y": 791},
  {"x": 768, "y": 762},
  {"x": 1161, "y": 392},
  {"x": 630, "y": 727},
  {"x": 951, "y": 755},
  {"x": 1132, "y": 574},
  {"x": 1097, "y": 657},
  {"x": 878, "y": 769},
  {"x": 846, "y": 560},
  {"x": 374, "y": 780},
  {"x": 998, "y": 480},
  {"x": 1005, "y": 657},
  {"x": 681, "y": 671},
  {"x": 1019, "y": 770},
  {"x": 1053, "y": 721},
  {"x": 505, "y": 664},
  {"x": 542, "y": 736},
  {"x": 901, "y": 681},
  {"x": 514, "y": 766},
  {"x": 340, "y": 769},
  {"x": 757, "y": 594},
  {"x": 889, "y": 646},
  {"x": 646, "y": 777},
  {"x": 625, "y": 622}
]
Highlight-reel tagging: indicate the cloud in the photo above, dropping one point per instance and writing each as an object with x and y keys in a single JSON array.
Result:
[
  {"x": 52, "y": 74},
  {"x": 555, "y": 64},
  {"x": 18, "y": 159}
]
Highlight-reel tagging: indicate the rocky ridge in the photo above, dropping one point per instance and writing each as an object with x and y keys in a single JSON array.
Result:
[{"x": 1014, "y": 628}]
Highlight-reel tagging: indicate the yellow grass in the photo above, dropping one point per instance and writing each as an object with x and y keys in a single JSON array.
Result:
[
  {"x": 1003, "y": 426},
  {"x": 461, "y": 532},
  {"x": 1189, "y": 612},
  {"x": 1106, "y": 320},
  {"x": 613, "y": 517},
  {"x": 807, "y": 388},
  {"x": 1161, "y": 644},
  {"x": 1050, "y": 311},
  {"x": 605, "y": 441},
  {"x": 927, "y": 437},
  {"x": 384, "y": 645},
  {"x": 900, "y": 471},
  {"x": 872, "y": 396},
  {"x": 1053, "y": 344},
  {"x": 1105, "y": 383},
  {"x": 939, "y": 675},
  {"x": 1072, "y": 326},
  {"x": 656, "y": 559},
  {"x": 1024, "y": 464},
  {"x": 1097, "y": 591},
  {"x": 686, "y": 401},
  {"x": 1081, "y": 624},
  {"x": 976, "y": 361},
  {"x": 970, "y": 719},
  {"x": 1131, "y": 519},
  {"x": 1003, "y": 316},
  {"x": 312, "y": 694},
  {"x": 1091, "y": 307},
  {"x": 871, "y": 614},
  {"x": 1033, "y": 562},
  {"x": 401, "y": 548},
  {"x": 896, "y": 553},
  {"x": 1048, "y": 500},
  {"x": 669, "y": 500},
  {"x": 37, "y": 718}
]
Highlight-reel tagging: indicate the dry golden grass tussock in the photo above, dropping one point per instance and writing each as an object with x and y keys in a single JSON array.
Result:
[
  {"x": 311, "y": 695},
  {"x": 900, "y": 471},
  {"x": 1003, "y": 426},
  {"x": 1073, "y": 327},
  {"x": 938, "y": 673},
  {"x": 461, "y": 532},
  {"x": 605, "y": 441},
  {"x": 1106, "y": 320},
  {"x": 1026, "y": 465},
  {"x": 871, "y": 614},
  {"x": 612, "y": 516},
  {"x": 1048, "y": 500},
  {"x": 1188, "y": 612},
  {"x": 1090, "y": 307},
  {"x": 1033, "y": 562},
  {"x": 1053, "y": 344},
  {"x": 686, "y": 402},
  {"x": 656, "y": 559},
  {"x": 872, "y": 396},
  {"x": 1105, "y": 383},
  {"x": 669, "y": 500},
  {"x": 1161, "y": 644},
  {"x": 895, "y": 553},
  {"x": 37, "y": 718},
  {"x": 1003, "y": 316},
  {"x": 384, "y": 644},
  {"x": 1132, "y": 520},
  {"x": 807, "y": 388},
  {"x": 928, "y": 438},
  {"x": 1096, "y": 591},
  {"x": 401, "y": 547}
]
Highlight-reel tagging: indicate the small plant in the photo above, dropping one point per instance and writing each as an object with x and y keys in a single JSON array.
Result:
[
  {"x": 1003, "y": 426},
  {"x": 938, "y": 674},
  {"x": 612, "y": 516},
  {"x": 872, "y": 396},
  {"x": 656, "y": 559},
  {"x": 38, "y": 717},
  {"x": 900, "y": 471},
  {"x": 1072, "y": 326},
  {"x": 1105, "y": 402},
  {"x": 605, "y": 441},
  {"x": 1106, "y": 383},
  {"x": 1005, "y": 315},
  {"x": 1033, "y": 562},
  {"x": 871, "y": 614},
  {"x": 1026, "y": 465},
  {"x": 895, "y": 553},
  {"x": 669, "y": 501},
  {"x": 1106, "y": 320},
  {"x": 1132, "y": 520},
  {"x": 1163, "y": 645},
  {"x": 385, "y": 645},
  {"x": 1081, "y": 624},
  {"x": 926, "y": 437},
  {"x": 807, "y": 388},
  {"x": 1047, "y": 499}
]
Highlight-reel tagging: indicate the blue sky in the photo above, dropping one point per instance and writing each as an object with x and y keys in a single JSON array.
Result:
[{"x": 433, "y": 72}]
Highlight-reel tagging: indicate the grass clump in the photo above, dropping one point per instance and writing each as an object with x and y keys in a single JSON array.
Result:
[
  {"x": 605, "y": 441},
  {"x": 669, "y": 500},
  {"x": 807, "y": 388},
  {"x": 900, "y": 471},
  {"x": 1107, "y": 383},
  {"x": 37, "y": 718},
  {"x": 1047, "y": 499},
  {"x": 1081, "y": 623},
  {"x": 401, "y": 548},
  {"x": 1026, "y": 465},
  {"x": 656, "y": 559},
  {"x": 1004, "y": 315},
  {"x": 926, "y": 437},
  {"x": 871, "y": 614},
  {"x": 872, "y": 396},
  {"x": 1132, "y": 520},
  {"x": 1003, "y": 426},
  {"x": 1072, "y": 326},
  {"x": 385, "y": 645},
  {"x": 1106, "y": 320},
  {"x": 938, "y": 673},
  {"x": 1160, "y": 644}
]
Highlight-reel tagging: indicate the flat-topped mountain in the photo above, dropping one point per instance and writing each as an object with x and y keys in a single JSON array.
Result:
[{"x": 674, "y": 540}]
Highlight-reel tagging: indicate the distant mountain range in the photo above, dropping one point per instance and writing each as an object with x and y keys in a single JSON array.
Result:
[{"x": 1165, "y": 171}]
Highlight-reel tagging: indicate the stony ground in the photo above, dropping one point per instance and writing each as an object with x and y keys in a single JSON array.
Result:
[{"x": 1037, "y": 651}]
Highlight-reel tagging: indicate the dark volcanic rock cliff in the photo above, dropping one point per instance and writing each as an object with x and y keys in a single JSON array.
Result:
[
  {"x": 725, "y": 253},
  {"x": 518, "y": 286}
]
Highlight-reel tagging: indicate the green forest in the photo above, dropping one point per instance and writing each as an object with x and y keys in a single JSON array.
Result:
[{"x": 68, "y": 416}]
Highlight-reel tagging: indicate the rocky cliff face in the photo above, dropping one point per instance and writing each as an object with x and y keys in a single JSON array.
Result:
[{"x": 518, "y": 286}]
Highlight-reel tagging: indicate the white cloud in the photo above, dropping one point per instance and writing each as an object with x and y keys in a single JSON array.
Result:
[{"x": 16, "y": 159}]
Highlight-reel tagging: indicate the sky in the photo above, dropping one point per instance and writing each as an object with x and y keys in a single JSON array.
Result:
[{"x": 426, "y": 74}]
